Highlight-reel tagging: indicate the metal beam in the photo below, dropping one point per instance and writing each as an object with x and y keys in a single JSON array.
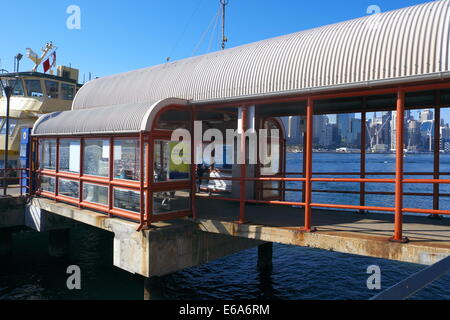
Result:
[{"x": 407, "y": 288}]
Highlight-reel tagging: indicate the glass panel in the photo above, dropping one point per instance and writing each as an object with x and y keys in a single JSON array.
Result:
[
  {"x": 12, "y": 126},
  {"x": 47, "y": 184},
  {"x": 96, "y": 158},
  {"x": 69, "y": 155},
  {"x": 95, "y": 194},
  {"x": 127, "y": 159},
  {"x": 47, "y": 154},
  {"x": 171, "y": 201},
  {"x": 69, "y": 188},
  {"x": 271, "y": 189},
  {"x": 127, "y": 200},
  {"x": 17, "y": 85},
  {"x": 34, "y": 88},
  {"x": 67, "y": 91},
  {"x": 52, "y": 88},
  {"x": 164, "y": 168},
  {"x": 174, "y": 119}
]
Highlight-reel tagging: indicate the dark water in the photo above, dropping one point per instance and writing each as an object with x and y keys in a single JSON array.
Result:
[{"x": 298, "y": 273}]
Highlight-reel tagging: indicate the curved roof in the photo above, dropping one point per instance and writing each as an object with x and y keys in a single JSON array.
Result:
[
  {"x": 108, "y": 120},
  {"x": 401, "y": 44}
]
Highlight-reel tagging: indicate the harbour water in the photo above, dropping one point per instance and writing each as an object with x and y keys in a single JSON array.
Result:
[{"x": 298, "y": 273}]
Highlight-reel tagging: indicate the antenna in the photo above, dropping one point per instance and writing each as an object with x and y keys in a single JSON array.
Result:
[{"x": 224, "y": 3}]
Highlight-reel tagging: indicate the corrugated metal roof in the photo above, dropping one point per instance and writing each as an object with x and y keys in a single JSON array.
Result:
[
  {"x": 123, "y": 118},
  {"x": 408, "y": 42}
]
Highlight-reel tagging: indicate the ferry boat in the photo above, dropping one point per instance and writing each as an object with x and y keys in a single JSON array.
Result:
[{"x": 35, "y": 93}]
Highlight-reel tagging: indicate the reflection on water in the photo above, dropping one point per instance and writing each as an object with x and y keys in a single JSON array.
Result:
[{"x": 298, "y": 273}]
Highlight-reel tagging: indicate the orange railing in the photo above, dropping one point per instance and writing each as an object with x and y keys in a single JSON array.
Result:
[
  {"x": 242, "y": 200},
  {"x": 6, "y": 178}
]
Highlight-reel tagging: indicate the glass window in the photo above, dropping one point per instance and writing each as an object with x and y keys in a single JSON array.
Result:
[
  {"x": 165, "y": 168},
  {"x": 47, "y": 184},
  {"x": 52, "y": 89},
  {"x": 174, "y": 119},
  {"x": 96, "y": 158},
  {"x": 67, "y": 91},
  {"x": 127, "y": 200},
  {"x": 127, "y": 159},
  {"x": 69, "y": 188},
  {"x": 69, "y": 155},
  {"x": 171, "y": 201},
  {"x": 47, "y": 154},
  {"x": 34, "y": 88},
  {"x": 17, "y": 85},
  {"x": 12, "y": 125},
  {"x": 95, "y": 193}
]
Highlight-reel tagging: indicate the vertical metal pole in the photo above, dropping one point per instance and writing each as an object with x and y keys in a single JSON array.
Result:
[
  {"x": 31, "y": 167},
  {"x": 193, "y": 166},
  {"x": 148, "y": 177},
  {"x": 243, "y": 167},
  {"x": 8, "y": 92},
  {"x": 111, "y": 176},
  {"x": 362, "y": 188},
  {"x": 398, "y": 229},
  {"x": 437, "y": 147},
  {"x": 305, "y": 138},
  {"x": 308, "y": 173},
  {"x": 80, "y": 200},
  {"x": 57, "y": 167},
  {"x": 141, "y": 179},
  {"x": 151, "y": 164}
]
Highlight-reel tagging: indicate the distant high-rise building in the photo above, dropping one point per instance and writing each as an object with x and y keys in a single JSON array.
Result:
[
  {"x": 426, "y": 115},
  {"x": 343, "y": 122}
]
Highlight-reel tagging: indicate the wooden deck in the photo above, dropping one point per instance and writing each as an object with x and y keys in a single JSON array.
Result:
[{"x": 342, "y": 231}]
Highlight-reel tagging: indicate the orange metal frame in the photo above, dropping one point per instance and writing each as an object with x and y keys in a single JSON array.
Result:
[
  {"x": 399, "y": 180},
  {"x": 146, "y": 184}
]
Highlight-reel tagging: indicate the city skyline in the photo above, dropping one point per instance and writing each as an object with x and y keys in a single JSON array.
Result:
[{"x": 336, "y": 131}]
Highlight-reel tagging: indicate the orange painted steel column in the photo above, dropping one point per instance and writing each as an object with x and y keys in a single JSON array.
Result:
[
  {"x": 362, "y": 188},
  {"x": 437, "y": 147},
  {"x": 148, "y": 179},
  {"x": 243, "y": 167},
  {"x": 398, "y": 229},
  {"x": 305, "y": 139},
  {"x": 111, "y": 176},
  {"x": 80, "y": 192},
  {"x": 56, "y": 168},
  {"x": 308, "y": 155},
  {"x": 141, "y": 182}
]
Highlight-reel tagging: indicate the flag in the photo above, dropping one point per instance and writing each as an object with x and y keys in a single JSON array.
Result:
[
  {"x": 54, "y": 59},
  {"x": 47, "y": 65}
]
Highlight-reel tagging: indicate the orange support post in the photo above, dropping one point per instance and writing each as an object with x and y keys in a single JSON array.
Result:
[
  {"x": 398, "y": 231},
  {"x": 362, "y": 188},
  {"x": 437, "y": 147},
  {"x": 308, "y": 173},
  {"x": 243, "y": 167}
]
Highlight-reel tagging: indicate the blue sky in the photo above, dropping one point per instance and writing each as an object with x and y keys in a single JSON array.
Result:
[{"x": 118, "y": 36}]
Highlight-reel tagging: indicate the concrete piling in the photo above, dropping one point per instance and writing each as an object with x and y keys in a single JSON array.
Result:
[{"x": 265, "y": 253}]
